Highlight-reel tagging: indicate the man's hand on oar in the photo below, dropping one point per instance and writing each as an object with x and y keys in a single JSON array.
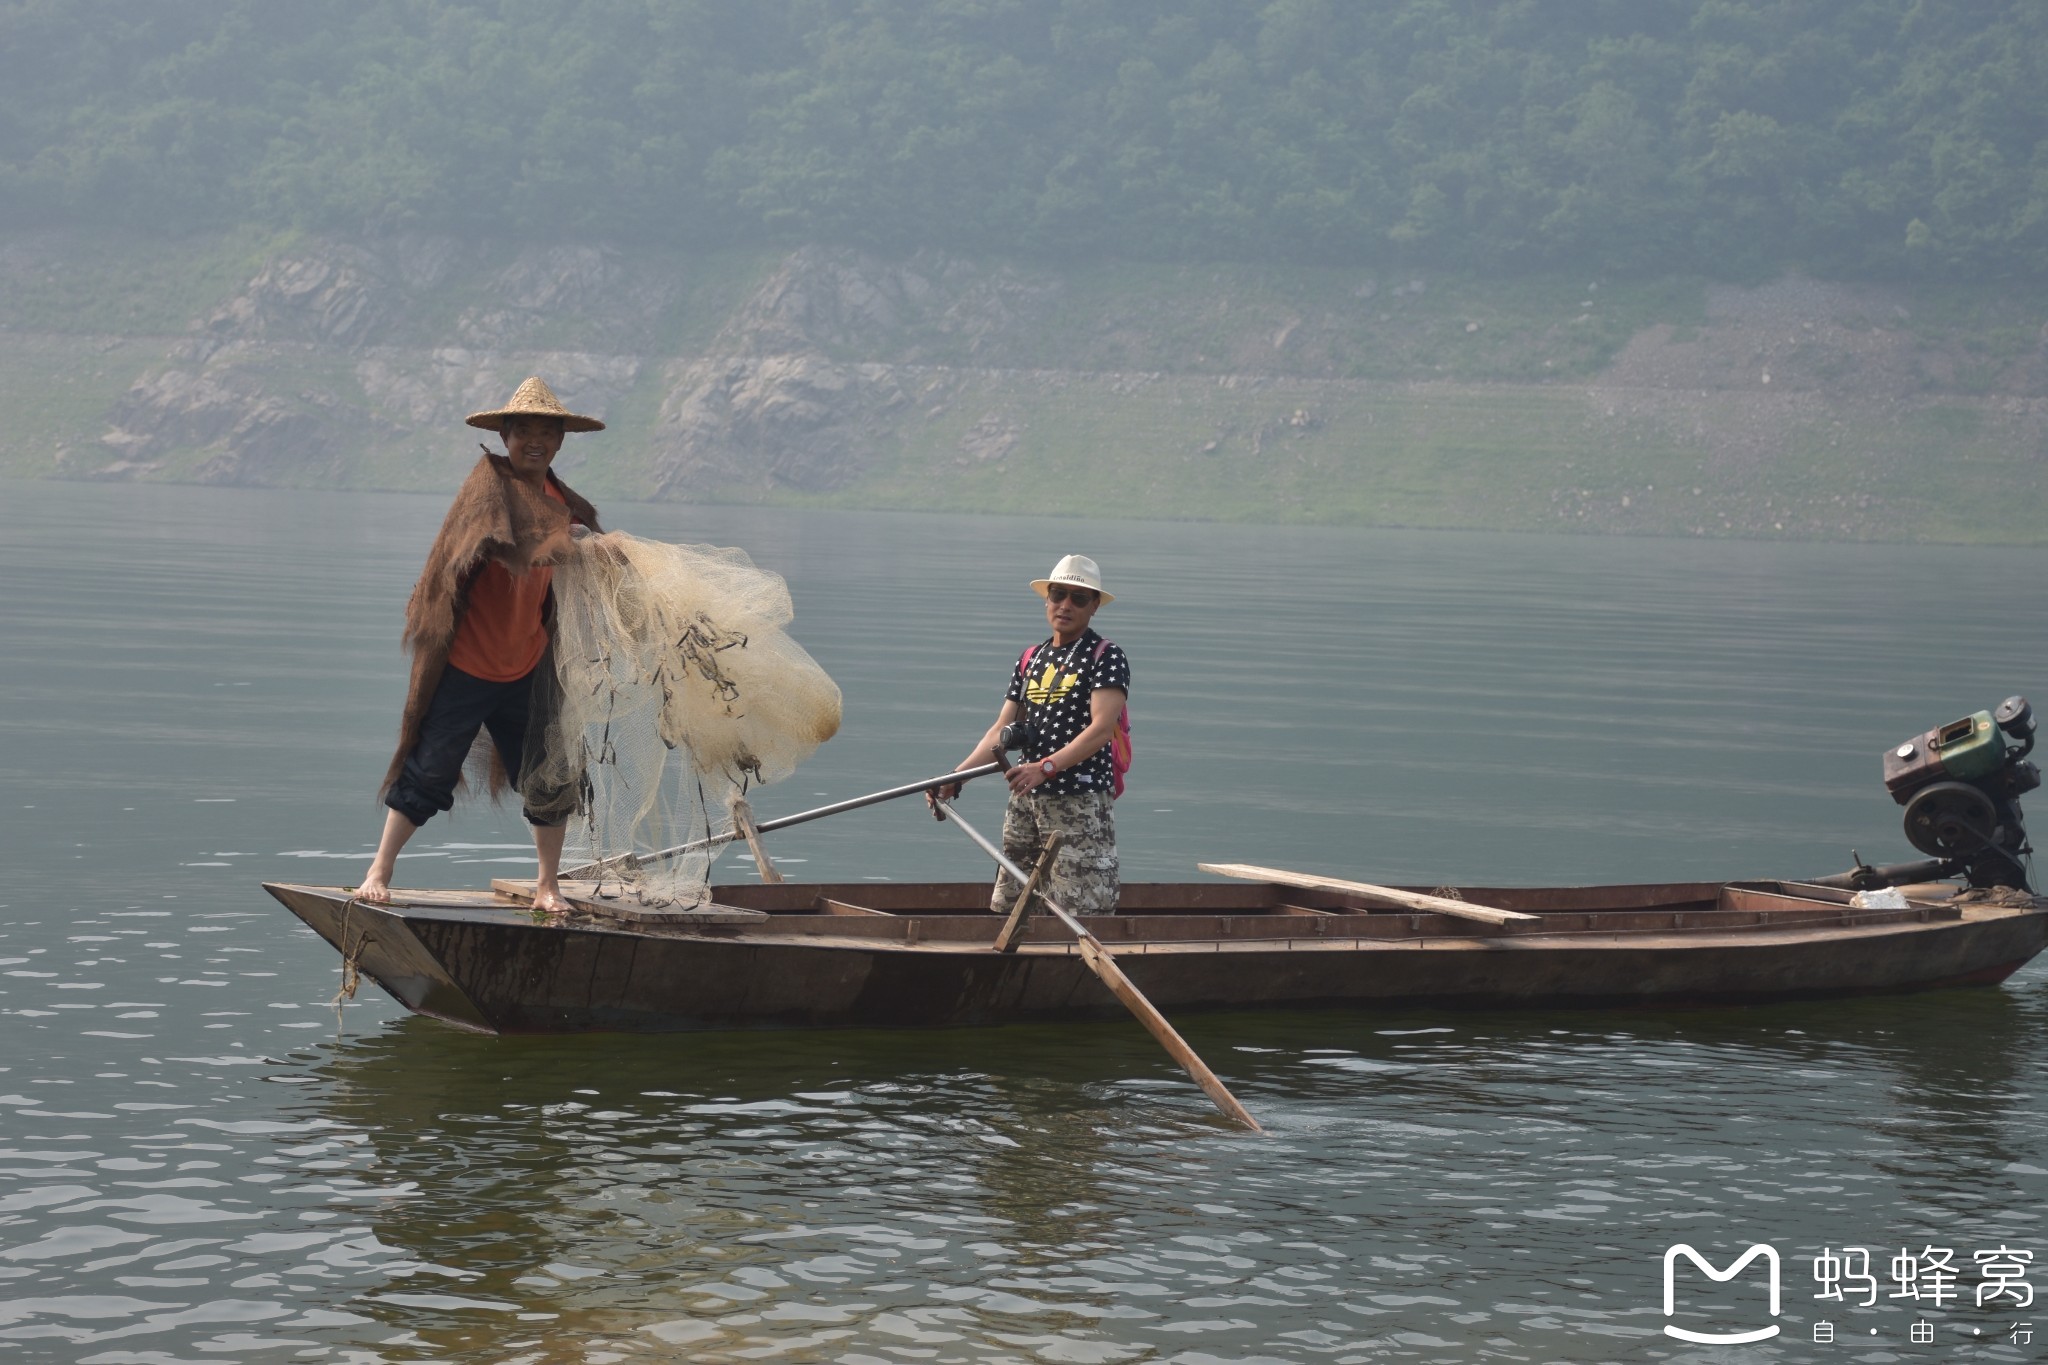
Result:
[{"x": 1000, "y": 762}]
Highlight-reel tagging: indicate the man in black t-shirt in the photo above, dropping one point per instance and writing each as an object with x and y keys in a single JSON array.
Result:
[{"x": 1069, "y": 691}]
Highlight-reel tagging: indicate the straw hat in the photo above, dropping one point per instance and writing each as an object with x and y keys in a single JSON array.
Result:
[
  {"x": 1075, "y": 571},
  {"x": 534, "y": 399}
]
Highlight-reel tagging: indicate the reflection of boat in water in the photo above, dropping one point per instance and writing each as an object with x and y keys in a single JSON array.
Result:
[{"x": 811, "y": 956}]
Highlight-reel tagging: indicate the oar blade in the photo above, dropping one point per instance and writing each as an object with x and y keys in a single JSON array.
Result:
[{"x": 1098, "y": 959}]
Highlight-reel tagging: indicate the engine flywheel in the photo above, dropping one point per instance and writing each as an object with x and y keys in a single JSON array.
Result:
[{"x": 1951, "y": 820}]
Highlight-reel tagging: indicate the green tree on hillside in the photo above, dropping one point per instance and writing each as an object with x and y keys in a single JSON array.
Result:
[{"x": 1724, "y": 136}]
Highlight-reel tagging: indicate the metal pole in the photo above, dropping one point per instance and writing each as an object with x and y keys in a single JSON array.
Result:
[{"x": 627, "y": 862}]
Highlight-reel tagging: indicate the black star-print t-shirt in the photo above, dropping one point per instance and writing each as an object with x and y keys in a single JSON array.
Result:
[{"x": 1057, "y": 700}]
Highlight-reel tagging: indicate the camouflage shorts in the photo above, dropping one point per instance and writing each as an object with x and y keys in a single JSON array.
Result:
[{"x": 1084, "y": 875}]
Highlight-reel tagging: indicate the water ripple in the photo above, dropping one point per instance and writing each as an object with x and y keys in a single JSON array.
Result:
[{"x": 201, "y": 1158}]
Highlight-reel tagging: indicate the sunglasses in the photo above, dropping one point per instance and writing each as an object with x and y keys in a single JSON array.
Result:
[{"x": 1080, "y": 597}]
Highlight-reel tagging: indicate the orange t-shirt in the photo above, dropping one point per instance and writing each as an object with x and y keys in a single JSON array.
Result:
[{"x": 502, "y": 636}]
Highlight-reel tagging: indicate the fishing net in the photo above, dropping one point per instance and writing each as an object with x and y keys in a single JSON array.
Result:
[{"x": 675, "y": 690}]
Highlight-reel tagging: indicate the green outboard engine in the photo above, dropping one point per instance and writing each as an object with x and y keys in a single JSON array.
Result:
[{"x": 1961, "y": 784}]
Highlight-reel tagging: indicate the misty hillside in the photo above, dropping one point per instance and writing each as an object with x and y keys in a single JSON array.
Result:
[
  {"x": 1731, "y": 138},
  {"x": 1696, "y": 267}
]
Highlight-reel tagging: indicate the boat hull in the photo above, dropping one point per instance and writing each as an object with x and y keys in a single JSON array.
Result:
[{"x": 484, "y": 962}]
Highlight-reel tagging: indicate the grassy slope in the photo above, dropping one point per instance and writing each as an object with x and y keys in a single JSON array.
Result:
[
  {"x": 1478, "y": 404},
  {"x": 1271, "y": 394},
  {"x": 1496, "y": 456},
  {"x": 1187, "y": 447},
  {"x": 81, "y": 314},
  {"x": 58, "y": 389}
]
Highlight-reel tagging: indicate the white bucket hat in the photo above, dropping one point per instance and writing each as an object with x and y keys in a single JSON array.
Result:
[{"x": 1075, "y": 571}]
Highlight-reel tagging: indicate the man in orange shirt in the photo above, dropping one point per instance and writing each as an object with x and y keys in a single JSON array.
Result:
[{"x": 477, "y": 626}]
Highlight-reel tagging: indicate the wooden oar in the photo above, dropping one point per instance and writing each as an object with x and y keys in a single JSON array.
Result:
[
  {"x": 626, "y": 862},
  {"x": 1006, "y": 937},
  {"x": 1410, "y": 900},
  {"x": 743, "y": 822},
  {"x": 1098, "y": 959}
]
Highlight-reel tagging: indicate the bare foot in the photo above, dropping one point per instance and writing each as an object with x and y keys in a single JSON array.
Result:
[
  {"x": 548, "y": 900},
  {"x": 376, "y": 885}
]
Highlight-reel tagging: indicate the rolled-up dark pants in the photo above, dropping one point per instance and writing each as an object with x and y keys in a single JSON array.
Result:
[{"x": 462, "y": 703}]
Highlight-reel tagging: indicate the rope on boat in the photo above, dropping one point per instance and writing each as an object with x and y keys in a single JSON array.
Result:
[{"x": 351, "y": 960}]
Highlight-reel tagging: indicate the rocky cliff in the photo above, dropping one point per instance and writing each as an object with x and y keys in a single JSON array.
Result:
[{"x": 1794, "y": 408}]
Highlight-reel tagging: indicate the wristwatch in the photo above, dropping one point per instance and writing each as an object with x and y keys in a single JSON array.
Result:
[{"x": 1049, "y": 768}]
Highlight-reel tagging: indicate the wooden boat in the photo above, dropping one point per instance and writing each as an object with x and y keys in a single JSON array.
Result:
[{"x": 888, "y": 954}]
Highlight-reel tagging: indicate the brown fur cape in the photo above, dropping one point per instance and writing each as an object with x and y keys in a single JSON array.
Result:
[{"x": 495, "y": 515}]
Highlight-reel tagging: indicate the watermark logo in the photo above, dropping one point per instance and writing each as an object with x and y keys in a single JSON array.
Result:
[
  {"x": 1768, "y": 1253},
  {"x": 1935, "y": 1277}
]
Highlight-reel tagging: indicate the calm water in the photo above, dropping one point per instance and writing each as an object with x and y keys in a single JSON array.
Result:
[{"x": 201, "y": 1159}]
